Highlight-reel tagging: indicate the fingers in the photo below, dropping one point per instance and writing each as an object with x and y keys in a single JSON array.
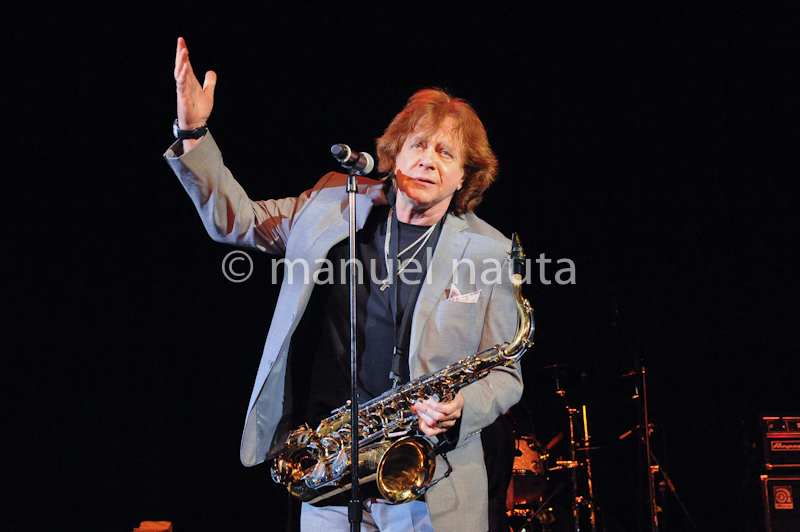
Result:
[
  {"x": 435, "y": 417},
  {"x": 434, "y": 428},
  {"x": 210, "y": 83},
  {"x": 183, "y": 71},
  {"x": 180, "y": 74},
  {"x": 181, "y": 57},
  {"x": 184, "y": 77}
]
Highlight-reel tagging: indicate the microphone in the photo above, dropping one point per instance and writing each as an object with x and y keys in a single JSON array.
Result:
[{"x": 361, "y": 162}]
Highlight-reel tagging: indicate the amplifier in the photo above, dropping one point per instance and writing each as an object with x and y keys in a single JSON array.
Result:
[{"x": 781, "y": 442}]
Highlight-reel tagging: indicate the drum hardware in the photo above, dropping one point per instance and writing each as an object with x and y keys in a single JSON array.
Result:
[
  {"x": 565, "y": 464},
  {"x": 576, "y": 445},
  {"x": 528, "y": 481},
  {"x": 543, "y": 514},
  {"x": 552, "y": 443},
  {"x": 565, "y": 375}
]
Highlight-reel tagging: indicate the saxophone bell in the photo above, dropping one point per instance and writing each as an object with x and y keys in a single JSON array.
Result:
[{"x": 405, "y": 469}]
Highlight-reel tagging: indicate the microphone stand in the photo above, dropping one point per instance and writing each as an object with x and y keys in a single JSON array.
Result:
[
  {"x": 354, "y": 508},
  {"x": 357, "y": 164}
]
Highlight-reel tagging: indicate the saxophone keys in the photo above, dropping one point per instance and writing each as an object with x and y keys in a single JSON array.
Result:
[
  {"x": 339, "y": 466},
  {"x": 318, "y": 475}
]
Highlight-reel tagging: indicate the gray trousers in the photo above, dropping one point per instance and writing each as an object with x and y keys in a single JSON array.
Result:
[{"x": 378, "y": 515}]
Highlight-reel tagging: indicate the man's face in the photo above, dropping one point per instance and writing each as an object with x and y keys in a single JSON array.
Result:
[{"x": 430, "y": 169}]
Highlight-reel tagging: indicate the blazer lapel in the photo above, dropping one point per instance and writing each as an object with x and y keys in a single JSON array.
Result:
[
  {"x": 335, "y": 222},
  {"x": 450, "y": 248}
]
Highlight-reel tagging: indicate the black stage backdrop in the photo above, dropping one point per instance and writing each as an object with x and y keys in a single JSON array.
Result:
[{"x": 654, "y": 145}]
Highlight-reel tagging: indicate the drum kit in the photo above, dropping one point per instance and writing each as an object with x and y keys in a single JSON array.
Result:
[
  {"x": 542, "y": 471},
  {"x": 529, "y": 492}
]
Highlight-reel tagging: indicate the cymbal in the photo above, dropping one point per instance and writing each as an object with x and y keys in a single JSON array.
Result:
[
  {"x": 580, "y": 449},
  {"x": 558, "y": 367}
]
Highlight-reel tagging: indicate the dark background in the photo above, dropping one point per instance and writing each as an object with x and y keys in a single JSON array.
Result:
[{"x": 655, "y": 145}]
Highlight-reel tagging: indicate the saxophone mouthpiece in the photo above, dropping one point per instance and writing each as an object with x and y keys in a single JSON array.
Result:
[{"x": 517, "y": 255}]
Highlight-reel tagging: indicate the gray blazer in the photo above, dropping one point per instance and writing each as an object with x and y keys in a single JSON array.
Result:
[{"x": 468, "y": 256}]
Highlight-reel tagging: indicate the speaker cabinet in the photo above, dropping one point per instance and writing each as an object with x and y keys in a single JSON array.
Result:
[{"x": 781, "y": 503}]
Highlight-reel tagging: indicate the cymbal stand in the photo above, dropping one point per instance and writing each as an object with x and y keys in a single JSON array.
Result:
[
  {"x": 657, "y": 468},
  {"x": 574, "y": 446},
  {"x": 574, "y": 466},
  {"x": 652, "y": 464},
  {"x": 651, "y": 469},
  {"x": 586, "y": 438},
  {"x": 644, "y": 431}
]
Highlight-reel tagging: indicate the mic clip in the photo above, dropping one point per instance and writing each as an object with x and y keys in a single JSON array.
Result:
[{"x": 360, "y": 163}]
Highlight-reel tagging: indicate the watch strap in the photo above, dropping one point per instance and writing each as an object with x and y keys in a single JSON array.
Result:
[{"x": 182, "y": 134}]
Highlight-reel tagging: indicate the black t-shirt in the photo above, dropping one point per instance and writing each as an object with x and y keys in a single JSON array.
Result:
[{"x": 320, "y": 359}]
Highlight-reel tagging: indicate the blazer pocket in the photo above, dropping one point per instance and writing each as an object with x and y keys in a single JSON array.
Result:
[
  {"x": 453, "y": 332},
  {"x": 457, "y": 307}
]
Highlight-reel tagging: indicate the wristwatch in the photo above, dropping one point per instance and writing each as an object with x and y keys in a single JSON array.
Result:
[{"x": 188, "y": 133}]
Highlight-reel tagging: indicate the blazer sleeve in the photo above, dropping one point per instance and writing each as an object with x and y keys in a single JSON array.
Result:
[
  {"x": 227, "y": 212},
  {"x": 487, "y": 399}
]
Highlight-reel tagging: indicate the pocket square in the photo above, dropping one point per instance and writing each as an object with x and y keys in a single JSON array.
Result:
[{"x": 456, "y": 297}]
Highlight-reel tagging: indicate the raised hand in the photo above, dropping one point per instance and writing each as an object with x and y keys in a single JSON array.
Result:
[{"x": 194, "y": 102}]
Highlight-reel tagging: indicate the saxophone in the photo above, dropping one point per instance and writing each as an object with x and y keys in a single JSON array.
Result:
[{"x": 316, "y": 464}]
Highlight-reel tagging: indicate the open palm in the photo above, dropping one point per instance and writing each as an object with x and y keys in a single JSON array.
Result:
[{"x": 194, "y": 101}]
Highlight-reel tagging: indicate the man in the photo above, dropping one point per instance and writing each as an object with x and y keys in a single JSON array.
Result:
[{"x": 440, "y": 163}]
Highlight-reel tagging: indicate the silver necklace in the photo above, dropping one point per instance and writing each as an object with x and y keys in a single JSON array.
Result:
[{"x": 422, "y": 240}]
